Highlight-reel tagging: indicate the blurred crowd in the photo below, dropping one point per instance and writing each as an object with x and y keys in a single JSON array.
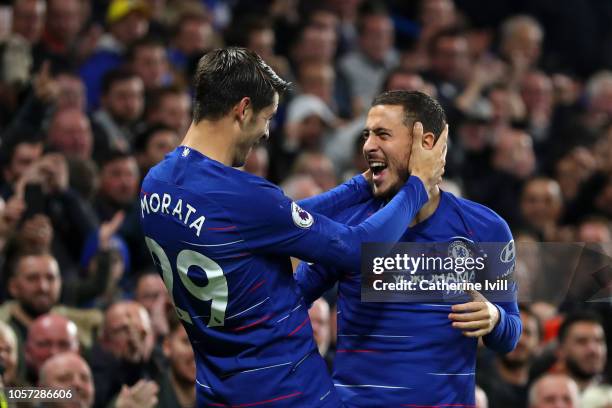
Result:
[{"x": 94, "y": 93}]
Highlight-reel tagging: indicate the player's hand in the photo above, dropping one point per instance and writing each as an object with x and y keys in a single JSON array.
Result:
[
  {"x": 428, "y": 165},
  {"x": 476, "y": 318},
  {"x": 368, "y": 176}
]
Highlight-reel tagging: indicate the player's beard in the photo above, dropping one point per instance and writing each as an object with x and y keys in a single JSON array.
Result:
[{"x": 398, "y": 171}]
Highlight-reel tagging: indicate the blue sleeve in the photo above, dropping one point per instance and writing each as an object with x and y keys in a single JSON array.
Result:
[
  {"x": 501, "y": 262},
  {"x": 314, "y": 280},
  {"x": 270, "y": 223},
  {"x": 354, "y": 191}
]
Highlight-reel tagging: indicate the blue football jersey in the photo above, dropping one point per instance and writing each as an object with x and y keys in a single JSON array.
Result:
[
  {"x": 408, "y": 354},
  {"x": 221, "y": 238}
]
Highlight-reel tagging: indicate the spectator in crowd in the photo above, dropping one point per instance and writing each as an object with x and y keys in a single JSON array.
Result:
[
  {"x": 29, "y": 19},
  {"x": 122, "y": 106},
  {"x": 64, "y": 21},
  {"x": 193, "y": 35},
  {"x": 151, "y": 292},
  {"x": 554, "y": 390},
  {"x": 44, "y": 190},
  {"x": 169, "y": 106},
  {"x": 20, "y": 154},
  {"x": 257, "y": 34},
  {"x": 536, "y": 89},
  {"x": 35, "y": 285},
  {"x": 318, "y": 79},
  {"x": 258, "y": 162},
  {"x": 512, "y": 162},
  {"x": 582, "y": 349},
  {"x": 309, "y": 126},
  {"x": 595, "y": 229},
  {"x": 449, "y": 67},
  {"x": 149, "y": 60},
  {"x": 70, "y": 133},
  {"x": 177, "y": 385},
  {"x": 521, "y": 43},
  {"x": 124, "y": 353},
  {"x": 573, "y": 170},
  {"x": 319, "y": 167},
  {"x": 127, "y": 21},
  {"x": 319, "y": 318},
  {"x": 104, "y": 261},
  {"x": 71, "y": 92},
  {"x": 365, "y": 68},
  {"x": 505, "y": 381},
  {"x": 118, "y": 184},
  {"x": 68, "y": 371},
  {"x": 300, "y": 186},
  {"x": 49, "y": 335},
  {"x": 541, "y": 206},
  {"x": 152, "y": 145},
  {"x": 9, "y": 355}
]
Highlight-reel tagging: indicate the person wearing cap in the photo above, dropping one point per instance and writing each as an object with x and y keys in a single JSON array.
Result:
[
  {"x": 128, "y": 21},
  {"x": 310, "y": 124}
]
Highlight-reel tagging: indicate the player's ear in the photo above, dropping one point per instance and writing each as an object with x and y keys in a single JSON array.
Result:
[
  {"x": 429, "y": 140},
  {"x": 242, "y": 108}
]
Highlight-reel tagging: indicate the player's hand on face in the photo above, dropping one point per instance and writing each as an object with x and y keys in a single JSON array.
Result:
[
  {"x": 428, "y": 165},
  {"x": 368, "y": 176},
  {"x": 476, "y": 318}
]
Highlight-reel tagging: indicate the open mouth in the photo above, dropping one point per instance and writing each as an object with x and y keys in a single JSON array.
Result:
[{"x": 379, "y": 169}]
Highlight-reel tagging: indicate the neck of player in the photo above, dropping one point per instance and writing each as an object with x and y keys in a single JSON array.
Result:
[
  {"x": 428, "y": 209},
  {"x": 214, "y": 139}
]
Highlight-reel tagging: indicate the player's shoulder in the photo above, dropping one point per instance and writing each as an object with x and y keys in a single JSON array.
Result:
[
  {"x": 486, "y": 224},
  {"x": 189, "y": 169}
]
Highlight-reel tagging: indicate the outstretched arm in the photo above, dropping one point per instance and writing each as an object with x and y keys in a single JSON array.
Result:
[{"x": 354, "y": 191}]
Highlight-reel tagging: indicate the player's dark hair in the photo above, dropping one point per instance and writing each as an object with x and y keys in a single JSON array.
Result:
[
  {"x": 114, "y": 76},
  {"x": 582, "y": 316},
  {"x": 418, "y": 107},
  {"x": 225, "y": 76}
]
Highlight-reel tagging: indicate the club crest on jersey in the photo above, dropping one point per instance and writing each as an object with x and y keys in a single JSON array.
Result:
[
  {"x": 301, "y": 218},
  {"x": 459, "y": 249},
  {"x": 508, "y": 253}
]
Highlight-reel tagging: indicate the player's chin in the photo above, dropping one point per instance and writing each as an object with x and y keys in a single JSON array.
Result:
[{"x": 386, "y": 189}]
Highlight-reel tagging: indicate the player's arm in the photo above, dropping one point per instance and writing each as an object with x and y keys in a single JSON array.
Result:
[
  {"x": 314, "y": 280},
  {"x": 275, "y": 225},
  {"x": 354, "y": 191},
  {"x": 498, "y": 322}
]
